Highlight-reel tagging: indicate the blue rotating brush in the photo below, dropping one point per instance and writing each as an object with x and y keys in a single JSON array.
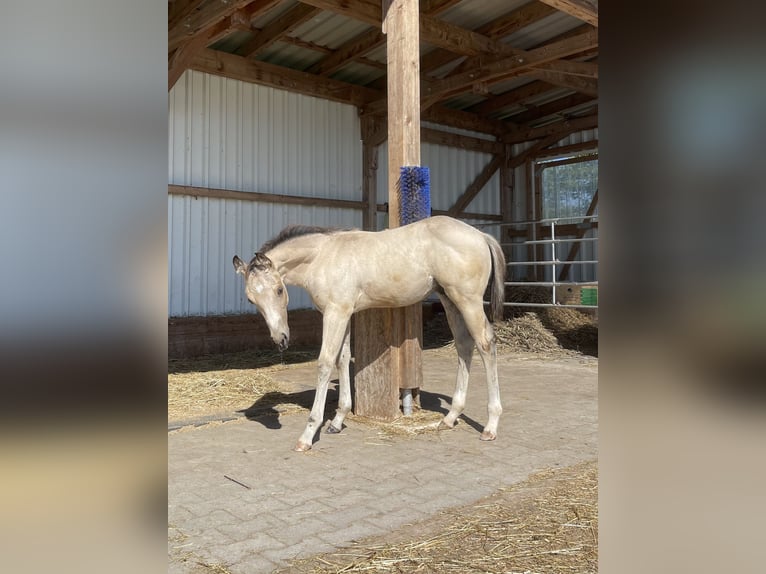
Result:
[{"x": 414, "y": 193}]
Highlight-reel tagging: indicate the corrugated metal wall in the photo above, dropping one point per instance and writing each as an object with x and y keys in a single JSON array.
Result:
[{"x": 235, "y": 135}]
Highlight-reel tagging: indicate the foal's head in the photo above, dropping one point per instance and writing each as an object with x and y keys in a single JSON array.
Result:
[{"x": 266, "y": 290}]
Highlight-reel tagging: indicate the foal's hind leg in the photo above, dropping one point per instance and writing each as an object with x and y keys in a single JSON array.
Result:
[
  {"x": 464, "y": 344},
  {"x": 344, "y": 384},
  {"x": 484, "y": 335}
]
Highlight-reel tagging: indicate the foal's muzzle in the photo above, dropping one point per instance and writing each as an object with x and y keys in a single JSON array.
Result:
[{"x": 283, "y": 342}]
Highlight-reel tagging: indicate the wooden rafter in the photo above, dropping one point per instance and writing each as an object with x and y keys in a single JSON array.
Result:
[
  {"x": 580, "y": 9},
  {"x": 237, "y": 67},
  {"x": 505, "y": 25},
  {"x": 557, "y": 106},
  {"x": 355, "y": 48},
  {"x": 587, "y": 86},
  {"x": 525, "y": 134},
  {"x": 488, "y": 59},
  {"x": 283, "y": 25},
  {"x": 369, "y": 40},
  {"x": 208, "y": 15},
  {"x": 506, "y": 68}
]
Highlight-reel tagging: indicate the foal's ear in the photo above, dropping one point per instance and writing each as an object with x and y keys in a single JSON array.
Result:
[
  {"x": 262, "y": 263},
  {"x": 239, "y": 265}
]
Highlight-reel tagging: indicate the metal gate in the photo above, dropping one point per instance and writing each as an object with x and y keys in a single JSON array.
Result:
[{"x": 544, "y": 242}]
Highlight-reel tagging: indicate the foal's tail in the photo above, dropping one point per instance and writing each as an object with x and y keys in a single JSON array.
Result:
[{"x": 497, "y": 279}]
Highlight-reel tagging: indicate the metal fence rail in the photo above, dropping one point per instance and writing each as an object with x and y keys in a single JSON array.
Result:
[{"x": 553, "y": 262}]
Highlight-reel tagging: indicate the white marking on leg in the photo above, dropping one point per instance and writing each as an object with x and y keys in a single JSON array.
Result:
[{"x": 334, "y": 326}]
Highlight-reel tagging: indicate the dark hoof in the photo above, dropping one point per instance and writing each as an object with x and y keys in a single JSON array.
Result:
[
  {"x": 332, "y": 430},
  {"x": 487, "y": 436},
  {"x": 302, "y": 447}
]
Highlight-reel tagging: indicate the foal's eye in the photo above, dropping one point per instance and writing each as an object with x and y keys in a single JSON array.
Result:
[{"x": 280, "y": 291}]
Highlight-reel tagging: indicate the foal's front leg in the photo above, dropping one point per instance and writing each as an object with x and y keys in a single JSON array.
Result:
[
  {"x": 334, "y": 327},
  {"x": 344, "y": 384}
]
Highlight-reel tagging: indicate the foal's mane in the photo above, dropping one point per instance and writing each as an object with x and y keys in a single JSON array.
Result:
[{"x": 293, "y": 231}]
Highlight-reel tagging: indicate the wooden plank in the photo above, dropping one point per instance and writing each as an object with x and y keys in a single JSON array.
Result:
[
  {"x": 580, "y": 9},
  {"x": 209, "y": 14},
  {"x": 262, "y": 197},
  {"x": 502, "y": 26},
  {"x": 476, "y": 185},
  {"x": 182, "y": 57},
  {"x": 555, "y": 107},
  {"x": 527, "y": 134},
  {"x": 281, "y": 26},
  {"x": 568, "y": 67},
  {"x": 510, "y": 98},
  {"x": 231, "y": 66},
  {"x": 460, "y": 141},
  {"x": 503, "y": 69},
  {"x": 555, "y": 151},
  {"x": 355, "y": 48},
  {"x": 586, "y": 86},
  {"x": 367, "y": 41},
  {"x": 369, "y": 174}
]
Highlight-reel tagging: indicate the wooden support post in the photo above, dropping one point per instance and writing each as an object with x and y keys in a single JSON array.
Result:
[
  {"x": 388, "y": 342},
  {"x": 369, "y": 174}
]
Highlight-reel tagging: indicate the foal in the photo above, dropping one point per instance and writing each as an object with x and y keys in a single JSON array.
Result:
[{"x": 351, "y": 270}]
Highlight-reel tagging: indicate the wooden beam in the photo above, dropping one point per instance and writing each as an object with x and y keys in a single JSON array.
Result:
[
  {"x": 460, "y": 141},
  {"x": 505, "y": 68},
  {"x": 586, "y": 86},
  {"x": 231, "y": 66},
  {"x": 367, "y": 41},
  {"x": 281, "y": 26},
  {"x": 557, "y": 106},
  {"x": 580, "y": 9},
  {"x": 355, "y": 48},
  {"x": 527, "y": 134},
  {"x": 262, "y": 197},
  {"x": 510, "y": 98},
  {"x": 476, "y": 186},
  {"x": 369, "y": 127},
  {"x": 569, "y": 67},
  {"x": 367, "y": 11},
  {"x": 211, "y": 13},
  {"x": 505, "y": 25},
  {"x": 181, "y": 9},
  {"x": 180, "y": 59},
  {"x": 571, "y": 148}
]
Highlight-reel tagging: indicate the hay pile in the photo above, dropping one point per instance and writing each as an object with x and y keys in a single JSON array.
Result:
[
  {"x": 526, "y": 333},
  {"x": 548, "y": 523},
  {"x": 228, "y": 382},
  {"x": 548, "y": 331}
]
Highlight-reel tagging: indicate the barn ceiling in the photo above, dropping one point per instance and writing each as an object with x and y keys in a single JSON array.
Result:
[{"x": 515, "y": 69}]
